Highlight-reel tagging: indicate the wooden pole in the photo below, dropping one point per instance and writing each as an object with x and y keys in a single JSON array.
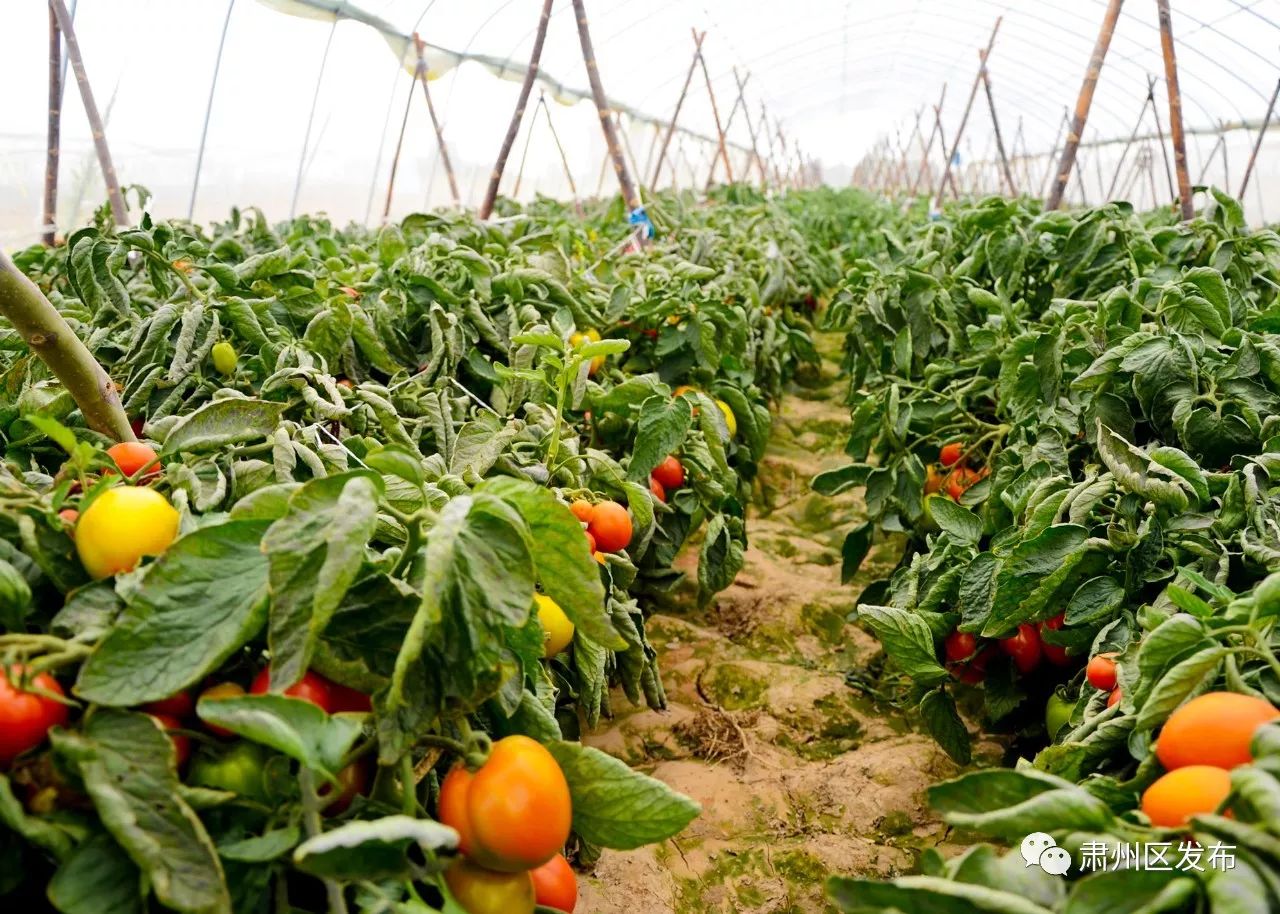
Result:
[
  {"x": 1083, "y": 102},
  {"x": 738, "y": 102},
  {"x": 530, "y": 74},
  {"x": 118, "y": 210},
  {"x": 395, "y": 159},
  {"x": 675, "y": 115},
  {"x": 1257, "y": 144},
  {"x": 751, "y": 130},
  {"x": 420, "y": 46},
  {"x": 927, "y": 148},
  {"x": 629, "y": 195},
  {"x": 995, "y": 123},
  {"x": 715, "y": 112},
  {"x": 1175, "y": 109},
  {"x": 54, "y": 144},
  {"x": 1149, "y": 100},
  {"x": 973, "y": 93}
]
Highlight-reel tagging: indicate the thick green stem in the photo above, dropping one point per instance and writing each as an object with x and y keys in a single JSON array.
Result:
[
  {"x": 311, "y": 822},
  {"x": 44, "y": 330}
]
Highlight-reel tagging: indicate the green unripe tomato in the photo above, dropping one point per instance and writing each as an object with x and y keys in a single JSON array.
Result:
[
  {"x": 240, "y": 770},
  {"x": 224, "y": 357},
  {"x": 1057, "y": 714}
]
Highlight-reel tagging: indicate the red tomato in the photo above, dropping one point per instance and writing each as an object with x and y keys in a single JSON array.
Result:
[
  {"x": 951, "y": 453},
  {"x": 1024, "y": 648},
  {"x": 344, "y": 698},
  {"x": 221, "y": 690},
  {"x": 132, "y": 456},
  {"x": 179, "y": 705},
  {"x": 353, "y": 781},
  {"x": 670, "y": 473},
  {"x": 610, "y": 524},
  {"x": 310, "y": 687},
  {"x": 1114, "y": 698},
  {"x": 658, "y": 492},
  {"x": 514, "y": 812},
  {"x": 1054, "y": 653},
  {"x": 555, "y": 885},
  {"x": 960, "y": 646},
  {"x": 581, "y": 510},
  {"x": 591, "y": 541},
  {"x": 1101, "y": 672},
  {"x": 137, "y": 425},
  {"x": 181, "y": 742},
  {"x": 959, "y": 481},
  {"x": 974, "y": 671},
  {"x": 25, "y": 717}
]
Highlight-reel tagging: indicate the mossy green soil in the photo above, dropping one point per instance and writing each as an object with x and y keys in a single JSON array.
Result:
[{"x": 800, "y": 775}]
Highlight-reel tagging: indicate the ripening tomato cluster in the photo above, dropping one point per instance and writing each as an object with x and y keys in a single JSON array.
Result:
[
  {"x": 512, "y": 816},
  {"x": 968, "y": 657},
  {"x": 1198, "y": 746},
  {"x": 239, "y": 765},
  {"x": 952, "y": 475},
  {"x": 124, "y": 523},
  {"x": 608, "y": 526},
  {"x": 666, "y": 477}
]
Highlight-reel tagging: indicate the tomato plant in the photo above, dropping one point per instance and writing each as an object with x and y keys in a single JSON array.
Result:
[
  {"x": 1023, "y": 648},
  {"x": 311, "y": 687},
  {"x": 669, "y": 473},
  {"x": 610, "y": 526},
  {"x": 1101, "y": 672},
  {"x": 133, "y": 458},
  {"x": 1214, "y": 729},
  {"x": 239, "y": 769},
  {"x": 1194, "y": 790}
]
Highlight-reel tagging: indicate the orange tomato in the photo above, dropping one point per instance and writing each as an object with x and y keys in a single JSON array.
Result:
[
  {"x": 514, "y": 812},
  {"x": 1192, "y": 791},
  {"x": 658, "y": 492},
  {"x": 221, "y": 690},
  {"x": 591, "y": 540},
  {"x": 1101, "y": 672},
  {"x": 932, "y": 480},
  {"x": 1213, "y": 729},
  {"x": 1114, "y": 698},
  {"x": 132, "y": 456},
  {"x": 581, "y": 509},
  {"x": 610, "y": 524}
]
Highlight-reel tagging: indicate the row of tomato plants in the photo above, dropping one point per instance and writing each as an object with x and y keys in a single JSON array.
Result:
[
  {"x": 1070, "y": 421},
  {"x": 328, "y": 636}
]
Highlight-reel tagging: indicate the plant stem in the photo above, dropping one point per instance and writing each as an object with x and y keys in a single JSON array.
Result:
[
  {"x": 49, "y": 336},
  {"x": 311, "y": 822}
]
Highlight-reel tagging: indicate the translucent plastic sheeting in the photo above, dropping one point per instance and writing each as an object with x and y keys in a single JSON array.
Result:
[{"x": 837, "y": 77}]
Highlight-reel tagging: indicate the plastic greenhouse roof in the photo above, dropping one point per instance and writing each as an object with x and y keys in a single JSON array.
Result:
[{"x": 837, "y": 77}]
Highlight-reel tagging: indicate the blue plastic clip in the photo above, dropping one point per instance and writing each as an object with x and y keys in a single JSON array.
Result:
[{"x": 639, "y": 217}]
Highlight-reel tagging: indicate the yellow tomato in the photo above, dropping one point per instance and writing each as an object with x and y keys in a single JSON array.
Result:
[
  {"x": 481, "y": 891},
  {"x": 589, "y": 336},
  {"x": 729, "y": 418},
  {"x": 556, "y": 627},
  {"x": 121, "y": 526}
]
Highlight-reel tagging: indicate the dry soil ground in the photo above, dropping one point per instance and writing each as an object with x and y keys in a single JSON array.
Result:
[{"x": 800, "y": 775}]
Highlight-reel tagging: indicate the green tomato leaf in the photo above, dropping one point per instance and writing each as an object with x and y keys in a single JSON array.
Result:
[
  {"x": 127, "y": 764},
  {"x": 98, "y": 878},
  {"x": 375, "y": 850},
  {"x": 615, "y": 806},
  {"x": 198, "y": 604},
  {"x": 221, "y": 423},
  {"x": 663, "y": 424},
  {"x": 295, "y": 727},
  {"x": 943, "y": 722},
  {"x": 907, "y": 639}
]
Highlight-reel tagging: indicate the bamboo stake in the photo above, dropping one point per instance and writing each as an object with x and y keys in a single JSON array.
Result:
[
  {"x": 1175, "y": 109},
  {"x": 54, "y": 143},
  {"x": 118, "y": 210},
  {"x": 400, "y": 142},
  {"x": 1213, "y": 151},
  {"x": 926, "y": 148},
  {"x": 1084, "y": 101},
  {"x": 208, "y": 111},
  {"x": 751, "y": 130},
  {"x": 942, "y": 142},
  {"x": 627, "y": 151},
  {"x": 715, "y": 112},
  {"x": 629, "y": 195},
  {"x": 1257, "y": 144},
  {"x": 530, "y": 74},
  {"x": 564, "y": 160},
  {"x": 421, "y": 69},
  {"x": 1149, "y": 100},
  {"x": 964, "y": 120},
  {"x": 738, "y": 102},
  {"x": 675, "y": 115},
  {"x": 995, "y": 123}
]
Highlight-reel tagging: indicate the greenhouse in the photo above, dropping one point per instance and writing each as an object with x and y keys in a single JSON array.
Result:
[{"x": 561, "y": 456}]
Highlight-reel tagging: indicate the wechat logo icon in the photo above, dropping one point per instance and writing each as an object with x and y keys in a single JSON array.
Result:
[{"x": 1039, "y": 849}]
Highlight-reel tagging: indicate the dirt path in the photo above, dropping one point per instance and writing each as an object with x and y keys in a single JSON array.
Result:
[{"x": 799, "y": 775}]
